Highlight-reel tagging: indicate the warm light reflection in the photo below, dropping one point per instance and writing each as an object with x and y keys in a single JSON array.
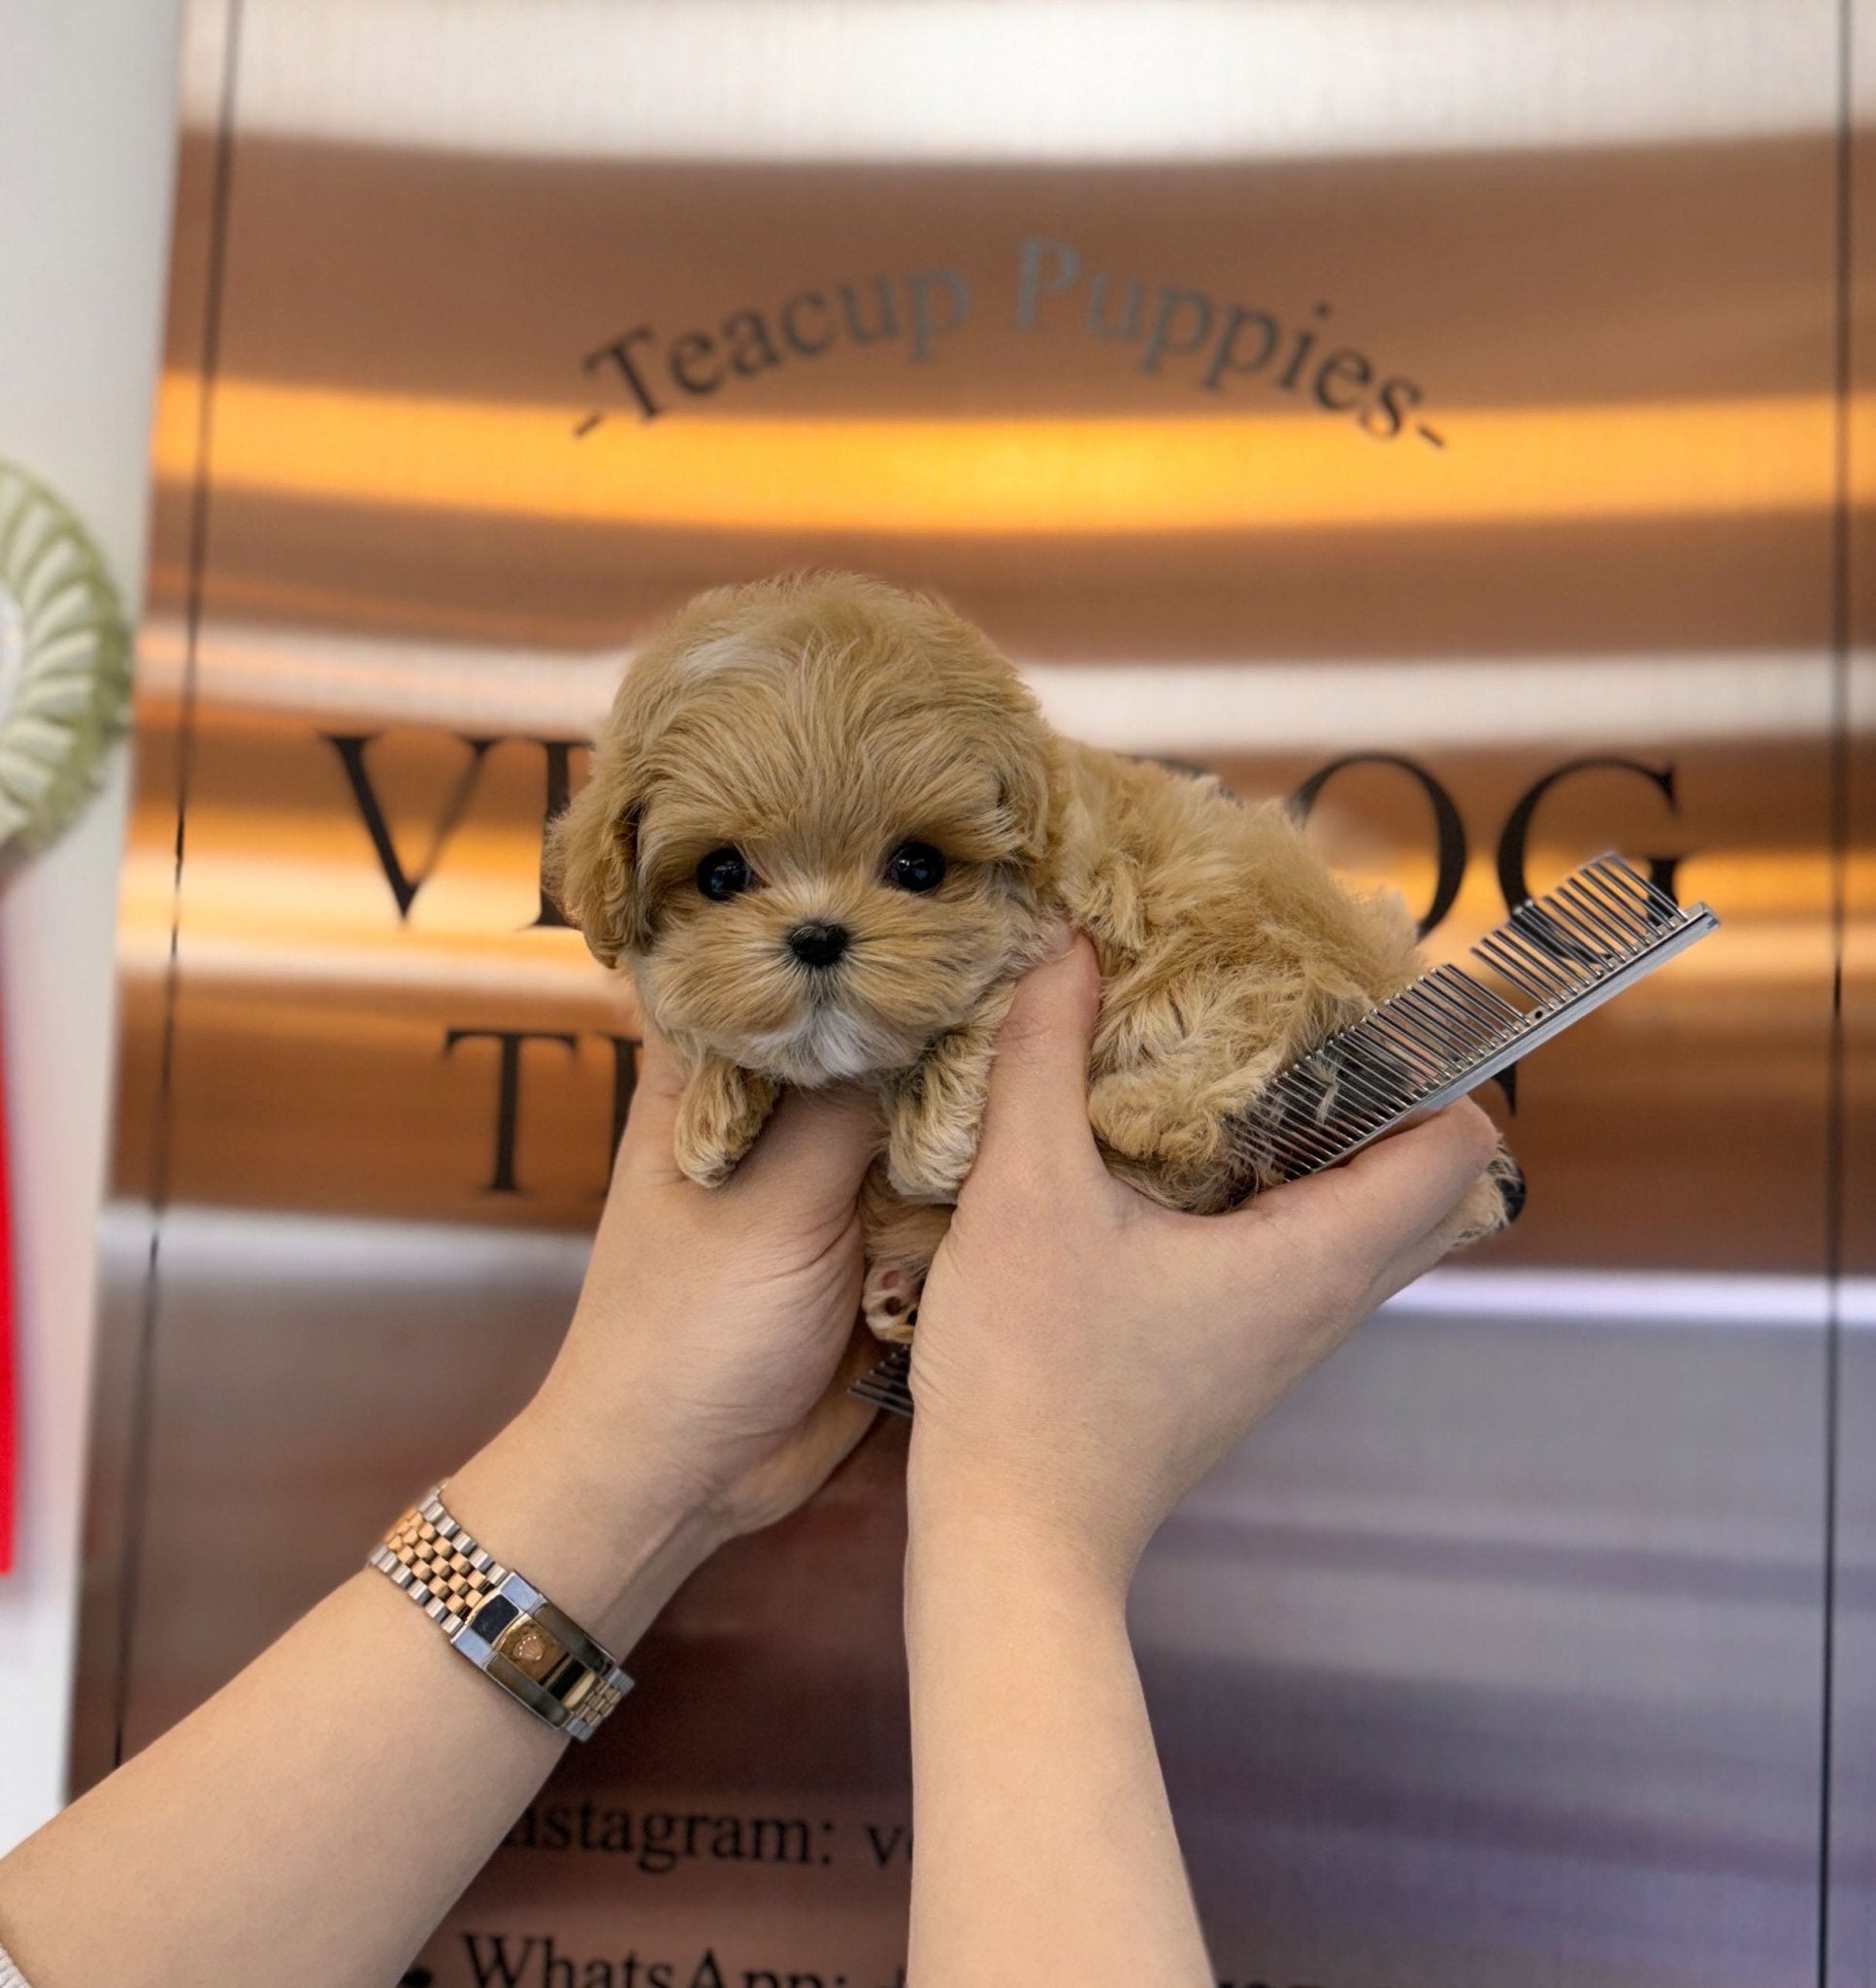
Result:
[
  {"x": 297, "y": 906},
  {"x": 1007, "y": 477}
]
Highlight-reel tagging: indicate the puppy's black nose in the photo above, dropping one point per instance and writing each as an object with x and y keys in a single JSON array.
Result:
[{"x": 817, "y": 945}]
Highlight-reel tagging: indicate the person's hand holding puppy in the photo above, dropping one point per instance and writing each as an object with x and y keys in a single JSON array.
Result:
[
  {"x": 702, "y": 1390},
  {"x": 1083, "y": 1355}
]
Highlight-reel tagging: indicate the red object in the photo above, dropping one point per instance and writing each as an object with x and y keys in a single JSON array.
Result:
[{"x": 9, "y": 1443}]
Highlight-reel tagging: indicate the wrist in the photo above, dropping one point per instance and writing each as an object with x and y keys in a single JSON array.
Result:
[
  {"x": 608, "y": 1546},
  {"x": 1007, "y": 1533},
  {"x": 986, "y": 1591}
]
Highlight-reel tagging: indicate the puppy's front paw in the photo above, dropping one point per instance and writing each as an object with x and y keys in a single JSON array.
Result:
[
  {"x": 1512, "y": 1189},
  {"x": 936, "y": 1111},
  {"x": 1494, "y": 1202},
  {"x": 889, "y": 1302},
  {"x": 709, "y": 1166},
  {"x": 718, "y": 1116}
]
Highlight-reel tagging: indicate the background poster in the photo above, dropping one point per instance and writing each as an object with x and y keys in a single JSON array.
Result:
[{"x": 1449, "y": 412}]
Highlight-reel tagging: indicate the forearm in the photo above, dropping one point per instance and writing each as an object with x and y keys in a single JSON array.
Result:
[
  {"x": 337, "y": 1795},
  {"x": 1045, "y": 1846}
]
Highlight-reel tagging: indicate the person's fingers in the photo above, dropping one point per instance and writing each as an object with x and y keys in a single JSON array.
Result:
[
  {"x": 1409, "y": 1265},
  {"x": 1037, "y": 1102},
  {"x": 1410, "y": 1182},
  {"x": 1395, "y": 1194},
  {"x": 819, "y": 1144}
]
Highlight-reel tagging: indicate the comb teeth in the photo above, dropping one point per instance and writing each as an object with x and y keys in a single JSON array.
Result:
[
  {"x": 1555, "y": 959},
  {"x": 888, "y": 1385},
  {"x": 1603, "y": 928}
]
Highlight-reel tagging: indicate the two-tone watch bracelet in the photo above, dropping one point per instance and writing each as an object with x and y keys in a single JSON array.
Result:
[{"x": 500, "y": 1622}]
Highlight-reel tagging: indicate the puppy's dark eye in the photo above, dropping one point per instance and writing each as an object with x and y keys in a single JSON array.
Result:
[
  {"x": 916, "y": 866},
  {"x": 722, "y": 874}
]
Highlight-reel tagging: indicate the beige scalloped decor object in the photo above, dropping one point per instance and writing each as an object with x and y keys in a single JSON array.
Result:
[{"x": 64, "y": 663}]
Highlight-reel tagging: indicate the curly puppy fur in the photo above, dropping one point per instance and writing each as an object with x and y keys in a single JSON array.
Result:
[{"x": 813, "y": 726}]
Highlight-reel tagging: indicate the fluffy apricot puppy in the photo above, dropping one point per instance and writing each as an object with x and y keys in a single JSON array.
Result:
[{"x": 826, "y": 829}]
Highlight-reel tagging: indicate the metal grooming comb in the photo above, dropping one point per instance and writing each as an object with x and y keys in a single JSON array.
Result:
[{"x": 1602, "y": 929}]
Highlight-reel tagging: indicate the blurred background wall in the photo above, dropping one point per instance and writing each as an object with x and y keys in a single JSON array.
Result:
[{"x": 88, "y": 150}]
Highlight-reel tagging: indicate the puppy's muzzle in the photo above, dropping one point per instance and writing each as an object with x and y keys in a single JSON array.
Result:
[{"x": 816, "y": 944}]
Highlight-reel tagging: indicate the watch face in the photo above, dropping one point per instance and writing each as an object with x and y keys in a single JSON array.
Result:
[{"x": 530, "y": 1649}]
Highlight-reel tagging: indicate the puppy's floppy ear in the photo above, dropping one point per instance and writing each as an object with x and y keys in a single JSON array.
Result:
[
  {"x": 1025, "y": 767},
  {"x": 592, "y": 859},
  {"x": 1014, "y": 736},
  {"x": 1023, "y": 796}
]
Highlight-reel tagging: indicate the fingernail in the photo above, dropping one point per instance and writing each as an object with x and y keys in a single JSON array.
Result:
[{"x": 1057, "y": 936}]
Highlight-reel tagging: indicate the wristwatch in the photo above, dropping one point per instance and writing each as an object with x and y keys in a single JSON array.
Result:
[{"x": 501, "y": 1621}]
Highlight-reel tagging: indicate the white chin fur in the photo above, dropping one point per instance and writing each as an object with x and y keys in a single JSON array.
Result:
[{"x": 829, "y": 1045}]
